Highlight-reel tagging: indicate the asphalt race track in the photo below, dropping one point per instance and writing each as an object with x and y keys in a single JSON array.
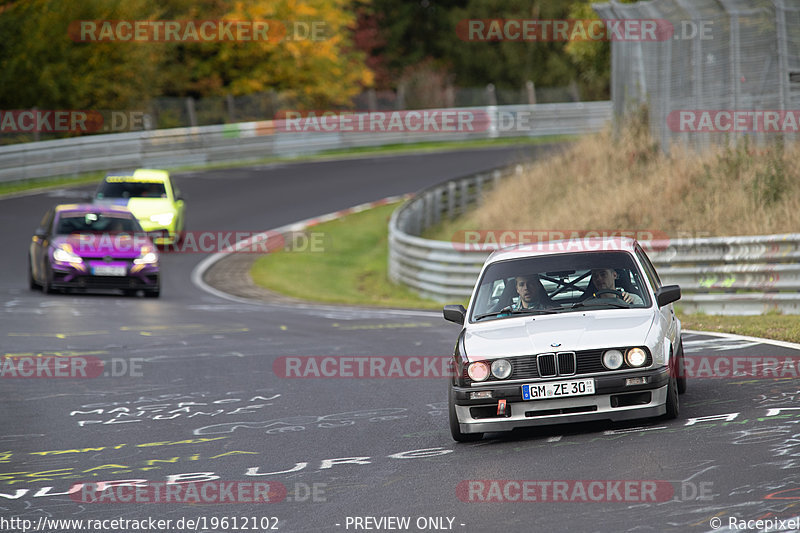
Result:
[{"x": 191, "y": 395}]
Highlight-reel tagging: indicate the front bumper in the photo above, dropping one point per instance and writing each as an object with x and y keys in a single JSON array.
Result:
[
  {"x": 612, "y": 400},
  {"x": 159, "y": 234},
  {"x": 68, "y": 277}
]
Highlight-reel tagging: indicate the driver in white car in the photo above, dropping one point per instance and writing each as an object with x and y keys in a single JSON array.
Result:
[{"x": 603, "y": 280}]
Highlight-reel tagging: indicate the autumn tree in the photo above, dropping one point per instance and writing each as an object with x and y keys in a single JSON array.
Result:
[{"x": 40, "y": 65}]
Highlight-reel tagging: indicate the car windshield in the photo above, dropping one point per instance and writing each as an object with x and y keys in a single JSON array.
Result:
[
  {"x": 95, "y": 223},
  {"x": 131, "y": 189},
  {"x": 561, "y": 283}
]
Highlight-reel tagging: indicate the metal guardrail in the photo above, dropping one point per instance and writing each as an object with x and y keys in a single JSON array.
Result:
[
  {"x": 254, "y": 140},
  {"x": 718, "y": 275}
]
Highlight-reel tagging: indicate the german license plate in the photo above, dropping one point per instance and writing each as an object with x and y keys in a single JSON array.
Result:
[
  {"x": 557, "y": 389},
  {"x": 109, "y": 270}
]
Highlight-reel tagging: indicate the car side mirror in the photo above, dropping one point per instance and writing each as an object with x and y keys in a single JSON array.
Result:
[
  {"x": 454, "y": 313},
  {"x": 668, "y": 294}
]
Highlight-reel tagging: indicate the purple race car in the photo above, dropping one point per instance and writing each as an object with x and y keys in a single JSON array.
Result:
[{"x": 92, "y": 247}]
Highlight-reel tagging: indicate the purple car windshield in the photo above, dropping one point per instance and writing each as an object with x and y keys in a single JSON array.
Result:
[{"x": 95, "y": 223}]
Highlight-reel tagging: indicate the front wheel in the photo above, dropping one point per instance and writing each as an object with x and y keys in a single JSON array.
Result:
[
  {"x": 32, "y": 285},
  {"x": 47, "y": 278},
  {"x": 673, "y": 402},
  {"x": 681, "y": 377},
  {"x": 455, "y": 428}
]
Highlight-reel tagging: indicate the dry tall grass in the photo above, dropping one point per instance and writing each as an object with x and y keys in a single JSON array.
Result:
[{"x": 604, "y": 182}]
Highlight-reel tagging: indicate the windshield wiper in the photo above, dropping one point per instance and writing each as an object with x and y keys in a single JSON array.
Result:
[
  {"x": 510, "y": 311},
  {"x": 612, "y": 303}
]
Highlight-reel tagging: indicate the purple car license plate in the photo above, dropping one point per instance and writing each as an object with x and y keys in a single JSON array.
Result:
[{"x": 109, "y": 270}]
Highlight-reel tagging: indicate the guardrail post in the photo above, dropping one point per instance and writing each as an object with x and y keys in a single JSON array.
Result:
[
  {"x": 464, "y": 196},
  {"x": 530, "y": 89},
  {"x": 491, "y": 96},
  {"x": 231, "y": 108},
  {"x": 428, "y": 217},
  {"x": 191, "y": 112},
  {"x": 451, "y": 199}
]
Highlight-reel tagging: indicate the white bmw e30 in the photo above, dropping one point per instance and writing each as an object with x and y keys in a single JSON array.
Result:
[{"x": 565, "y": 331}]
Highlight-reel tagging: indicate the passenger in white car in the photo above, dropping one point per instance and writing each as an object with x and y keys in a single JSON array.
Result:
[{"x": 532, "y": 294}]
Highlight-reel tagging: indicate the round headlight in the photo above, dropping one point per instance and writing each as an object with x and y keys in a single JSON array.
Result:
[
  {"x": 636, "y": 357},
  {"x": 501, "y": 369},
  {"x": 612, "y": 359},
  {"x": 478, "y": 371}
]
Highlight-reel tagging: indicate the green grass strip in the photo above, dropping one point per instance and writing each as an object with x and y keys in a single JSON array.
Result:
[{"x": 351, "y": 269}]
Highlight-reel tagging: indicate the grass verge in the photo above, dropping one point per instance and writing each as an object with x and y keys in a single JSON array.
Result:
[
  {"x": 30, "y": 185},
  {"x": 353, "y": 270},
  {"x": 769, "y": 326},
  {"x": 623, "y": 182}
]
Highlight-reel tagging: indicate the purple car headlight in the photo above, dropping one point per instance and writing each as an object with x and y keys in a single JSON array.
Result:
[{"x": 65, "y": 254}]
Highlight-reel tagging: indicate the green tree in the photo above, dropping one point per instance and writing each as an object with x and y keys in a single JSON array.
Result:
[{"x": 40, "y": 65}]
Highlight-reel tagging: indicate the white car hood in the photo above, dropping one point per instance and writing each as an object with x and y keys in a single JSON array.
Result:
[{"x": 509, "y": 337}]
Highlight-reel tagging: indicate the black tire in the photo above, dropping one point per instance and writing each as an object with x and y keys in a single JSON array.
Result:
[
  {"x": 673, "y": 401},
  {"x": 32, "y": 285},
  {"x": 47, "y": 286},
  {"x": 155, "y": 293},
  {"x": 130, "y": 292},
  {"x": 455, "y": 429},
  {"x": 681, "y": 367}
]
